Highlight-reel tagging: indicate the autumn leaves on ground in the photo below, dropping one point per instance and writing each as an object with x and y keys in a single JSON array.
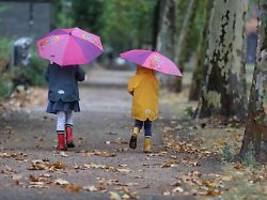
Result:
[{"x": 191, "y": 160}]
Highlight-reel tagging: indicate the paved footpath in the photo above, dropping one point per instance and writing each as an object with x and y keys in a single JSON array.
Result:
[{"x": 101, "y": 161}]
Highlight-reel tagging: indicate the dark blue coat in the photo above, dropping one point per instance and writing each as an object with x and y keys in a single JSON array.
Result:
[{"x": 63, "y": 82}]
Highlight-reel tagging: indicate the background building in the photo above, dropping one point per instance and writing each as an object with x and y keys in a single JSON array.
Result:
[{"x": 25, "y": 18}]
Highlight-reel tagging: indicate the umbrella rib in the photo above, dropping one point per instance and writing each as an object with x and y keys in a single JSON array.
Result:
[{"x": 64, "y": 48}]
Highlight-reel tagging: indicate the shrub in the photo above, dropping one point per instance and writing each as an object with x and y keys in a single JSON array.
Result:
[
  {"x": 32, "y": 75},
  {"x": 5, "y": 48},
  {"x": 6, "y": 87}
]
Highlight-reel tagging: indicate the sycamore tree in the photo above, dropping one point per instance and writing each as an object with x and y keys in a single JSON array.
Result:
[
  {"x": 256, "y": 126},
  {"x": 224, "y": 89}
]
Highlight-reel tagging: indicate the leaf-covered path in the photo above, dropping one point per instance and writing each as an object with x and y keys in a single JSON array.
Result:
[{"x": 101, "y": 166}]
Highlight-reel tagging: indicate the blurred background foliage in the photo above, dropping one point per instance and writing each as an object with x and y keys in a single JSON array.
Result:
[{"x": 122, "y": 25}]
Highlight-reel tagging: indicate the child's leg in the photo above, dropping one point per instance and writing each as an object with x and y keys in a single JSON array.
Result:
[
  {"x": 136, "y": 130},
  {"x": 61, "y": 119},
  {"x": 148, "y": 136},
  {"x": 148, "y": 128},
  {"x": 69, "y": 129},
  {"x": 138, "y": 124},
  {"x": 69, "y": 118}
]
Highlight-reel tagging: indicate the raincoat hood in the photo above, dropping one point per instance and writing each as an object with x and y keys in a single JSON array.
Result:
[{"x": 143, "y": 70}]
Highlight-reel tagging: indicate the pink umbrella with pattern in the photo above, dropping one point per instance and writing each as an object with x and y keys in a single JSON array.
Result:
[
  {"x": 70, "y": 46},
  {"x": 151, "y": 60}
]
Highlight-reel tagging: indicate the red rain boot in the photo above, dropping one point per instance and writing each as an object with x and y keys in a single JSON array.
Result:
[
  {"x": 61, "y": 146},
  {"x": 69, "y": 136}
]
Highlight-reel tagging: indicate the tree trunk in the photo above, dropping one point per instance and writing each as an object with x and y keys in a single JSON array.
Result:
[
  {"x": 199, "y": 71},
  {"x": 257, "y": 119},
  {"x": 224, "y": 90},
  {"x": 176, "y": 83},
  {"x": 166, "y": 37},
  {"x": 155, "y": 24}
]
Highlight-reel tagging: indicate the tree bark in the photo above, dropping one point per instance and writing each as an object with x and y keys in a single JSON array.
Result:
[
  {"x": 199, "y": 70},
  {"x": 257, "y": 119},
  {"x": 155, "y": 24},
  {"x": 166, "y": 37},
  {"x": 167, "y": 29},
  {"x": 224, "y": 90}
]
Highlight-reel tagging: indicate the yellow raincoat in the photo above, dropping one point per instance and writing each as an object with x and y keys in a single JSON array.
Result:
[{"x": 144, "y": 88}]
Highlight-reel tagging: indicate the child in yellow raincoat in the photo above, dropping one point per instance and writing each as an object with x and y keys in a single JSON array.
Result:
[{"x": 143, "y": 86}]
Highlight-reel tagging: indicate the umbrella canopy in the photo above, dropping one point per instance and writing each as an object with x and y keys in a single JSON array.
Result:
[
  {"x": 70, "y": 46},
  {"x": 151, "y": 60}
]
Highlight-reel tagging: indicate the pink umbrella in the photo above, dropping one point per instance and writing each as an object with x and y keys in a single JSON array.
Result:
[
  {"x": 70, "y": 46},
  {"x": 151, "y": 60}
]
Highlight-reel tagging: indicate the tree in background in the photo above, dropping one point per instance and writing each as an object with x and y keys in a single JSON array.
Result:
[
  {"x": 167, "y": 30},
  {"x": 199, "y": 71},
  {"x": 177, "y": 25},
  {"x": 182, "y": 43},
  {"x": 121, "y": 24},
  {"x": 224, "y": 90},
  {"x": 62, "y": 14},
  {"x": 87, "y": 14},
  {"x": 256, "y": 125},
  {"x": 127, "y": 24}
]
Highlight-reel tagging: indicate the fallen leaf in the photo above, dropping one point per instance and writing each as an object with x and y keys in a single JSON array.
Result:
[
  {"x": 124, "y": 171},
  {"x": 99, "y": 153},
  {"x": 166, "y": 193},
  {"x": 45, "y": 165},
  {"x": 46, "y": 175},
  {"x": 213, "y": 192},
  {"x": 125, "y": 196},
  {"x": 73, "y": 187},
  {"x": 177, "y": 189},
  {"x": 37, "y": 183},
  {"x": 38, "y": 165},
  {"x": 90, "y": 188},
  {"x": 63, "y": 154},
  {"x": 169, "y": 163},
  {"x": 16, "y": 177},
  {"x": 17, "y": 156},
  {"x": 60, "y": 181},
  {"x": 98, "y": 166},
  {"x": 226, "y": 178},
  {"x": 114, "y": 196},
  {"x": 33, "y": 178},
  {"x": 176, "y": 183},
  {"x": 123, "y": 165},
  {"x": 131, "y": 194},
  {"x": 190, "y": 161},
  {"x": 167, "y": 129},
  {"x": 239, "y": 166},
  {"x": 118, "y": 141},
  {"x": 38, "y": 186}
]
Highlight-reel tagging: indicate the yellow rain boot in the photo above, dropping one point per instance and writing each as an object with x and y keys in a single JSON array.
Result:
[
  {"x": 133, "y": 140},
  {"x": 148, "y": 145}
]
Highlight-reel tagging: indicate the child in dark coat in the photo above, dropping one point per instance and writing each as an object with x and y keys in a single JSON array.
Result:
[{"x": 63, "y": 96}]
